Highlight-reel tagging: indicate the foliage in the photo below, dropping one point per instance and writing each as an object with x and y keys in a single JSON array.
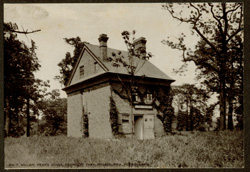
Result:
[
  {"x": 113, "y": 117},
  {"x": 137, "y": 56},
  {"x": 219, "y": 26},
  {"x": 54, "y": 110},
  {"x": 85, "y": 123},
  {"x": 193, "y": 101},
  {"x": 181, "y": 120},
  {"x": 168, "y": 112},
  {"x": 198, "y": 150},
  {"x": 67, "y": 64},
  {"x": 21, "y": 88}
]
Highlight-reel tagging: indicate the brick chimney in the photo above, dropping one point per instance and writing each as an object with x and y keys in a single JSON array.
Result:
[
  {"x": 103, "y": 38},
  {"x": 140, "y": 46}
]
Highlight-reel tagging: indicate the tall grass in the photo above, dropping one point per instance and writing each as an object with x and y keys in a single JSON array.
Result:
[{"x": 206, "y": 149}]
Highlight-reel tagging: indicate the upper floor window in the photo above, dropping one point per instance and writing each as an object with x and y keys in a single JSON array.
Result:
[
  {"x": 135, "y": 97},
  {"x": 81, "y": 70},
  {"x": 95, "y": 67},
  {"x": 149, "y": 97}
]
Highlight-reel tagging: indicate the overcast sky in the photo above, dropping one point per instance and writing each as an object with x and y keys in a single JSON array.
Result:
[{"x": 88, "y": 21}]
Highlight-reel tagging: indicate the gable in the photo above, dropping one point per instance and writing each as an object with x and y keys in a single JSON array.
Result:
[
  {"x": 86, "y": 67},
  {"x": 94, "y": 66},
  {"x": 145, "y": 68}
]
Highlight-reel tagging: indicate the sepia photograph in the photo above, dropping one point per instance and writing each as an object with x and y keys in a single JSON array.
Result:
[{"x": 123, "y": 85}]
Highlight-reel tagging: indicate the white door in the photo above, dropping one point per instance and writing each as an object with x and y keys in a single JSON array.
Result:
[
  {"x": 149, "y": 126},
  {"x": 139, "y": 127}
]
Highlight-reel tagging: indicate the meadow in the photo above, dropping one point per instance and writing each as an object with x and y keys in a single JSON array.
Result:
[{"x": 185, "y": 150}]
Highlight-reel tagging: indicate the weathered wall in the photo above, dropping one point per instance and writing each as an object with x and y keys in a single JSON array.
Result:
[
  {"x": 74, "y": 114},
  {"x": 90, "y": 67},
  {"x": 124, "y": 107},
  {"x": 96, "y": 103}
]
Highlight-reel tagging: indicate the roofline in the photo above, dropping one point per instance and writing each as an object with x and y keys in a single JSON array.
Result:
[{"x": 110, "y": 76}]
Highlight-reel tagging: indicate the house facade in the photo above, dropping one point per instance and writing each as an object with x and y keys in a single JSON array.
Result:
[{"x": 96, "y": 88}]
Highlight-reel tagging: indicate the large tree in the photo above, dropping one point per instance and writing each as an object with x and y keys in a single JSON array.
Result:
[
  {"x": 220, "y": 27},
  {"x": 192, "y": 105},
  {"x": 54, "y": 112},
  {"x": 20, "y": 63}
]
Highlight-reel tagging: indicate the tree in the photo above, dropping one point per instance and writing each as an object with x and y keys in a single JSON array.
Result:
[
  {"x": 192, "y": 107},
  {"x": 54, "y": 110},
  {"x": 13, "y": 28},
  {"x": 20, "y": 63},
  {"x": 219, "y": 25},
  {"x": 68, "y": 63}
]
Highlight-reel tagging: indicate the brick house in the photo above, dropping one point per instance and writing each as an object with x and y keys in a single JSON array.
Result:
[{"x": 94, "y": 81}]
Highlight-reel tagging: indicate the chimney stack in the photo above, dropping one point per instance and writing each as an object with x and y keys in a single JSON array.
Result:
[
  {"x": 103, "y": 38},
  {"x": 140, "y": 46}
]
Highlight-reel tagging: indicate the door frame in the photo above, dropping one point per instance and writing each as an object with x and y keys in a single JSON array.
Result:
[{"x": 142, "y": 126}]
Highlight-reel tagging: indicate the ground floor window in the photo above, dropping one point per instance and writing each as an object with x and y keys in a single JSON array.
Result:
[
  {"x": 125, "y": 118},
  {"x": 124, "y": 123}
]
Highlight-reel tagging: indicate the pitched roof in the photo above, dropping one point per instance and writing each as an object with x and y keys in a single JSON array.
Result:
[{"x": 145, "y": 67}]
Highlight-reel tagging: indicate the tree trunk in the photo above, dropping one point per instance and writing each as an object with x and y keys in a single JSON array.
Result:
[
  {"x": 7, "y": 116},
  {"x": 28, "y": 117},
  {"x": 222, "y": 105},
  {"x": 191, "y": 119},
  {"x": 16, "y": 113},
  {"x": 230, "y": 114}
]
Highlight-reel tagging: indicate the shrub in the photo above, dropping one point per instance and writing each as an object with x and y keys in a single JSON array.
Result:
[
  {"x": 113, "y": 117},
  {"x": 201, "y": 128}
]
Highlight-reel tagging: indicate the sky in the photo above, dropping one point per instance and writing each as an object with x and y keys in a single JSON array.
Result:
[{"x": 88, "y": 21}]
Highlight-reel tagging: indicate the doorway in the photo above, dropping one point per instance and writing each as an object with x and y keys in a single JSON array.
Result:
[{"x": 138, "y": 121}]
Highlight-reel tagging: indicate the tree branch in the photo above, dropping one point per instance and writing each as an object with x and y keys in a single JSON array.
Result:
[
  {"x": 25, "y": 32},
  {"x": 218, "y": 20},
  {"x": 233, "y": 9},
  {"x": 206, "y": 40},
  {"x": 238, "y": 30},
  {"x": 235, "y": 33}
]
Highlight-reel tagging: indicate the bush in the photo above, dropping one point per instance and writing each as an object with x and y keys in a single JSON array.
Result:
[{"x": 201, "y": 128}]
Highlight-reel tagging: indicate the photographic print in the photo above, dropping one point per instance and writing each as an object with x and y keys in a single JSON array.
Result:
[{"x": 123, "y": 85}]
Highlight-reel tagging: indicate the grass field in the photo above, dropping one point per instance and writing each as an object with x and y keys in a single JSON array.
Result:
[{"x": 200, "y": 149}]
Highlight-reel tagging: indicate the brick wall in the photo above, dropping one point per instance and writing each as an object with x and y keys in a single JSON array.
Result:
[
  {"x": 124, "y": 107},
  {"x": 96, "y": 103},
  {"x": 74, "y": 114}
]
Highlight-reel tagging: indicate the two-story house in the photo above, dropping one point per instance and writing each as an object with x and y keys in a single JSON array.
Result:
[{"x": 95, "y": 81}]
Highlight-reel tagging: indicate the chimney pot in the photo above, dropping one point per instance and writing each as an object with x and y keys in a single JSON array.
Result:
[
  {"x": 140, "y": 46},
  {"x": 103, "y": 38}
]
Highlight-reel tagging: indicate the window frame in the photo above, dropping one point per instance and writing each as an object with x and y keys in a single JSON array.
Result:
[
  {"x": 81, "y": 70},
  {"x": 125, "y": 118}
]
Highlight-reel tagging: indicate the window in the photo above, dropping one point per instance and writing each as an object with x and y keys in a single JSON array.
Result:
[
  {"x": 125, "y": 118},
  {"x": 95, "y": 66},
  {"x": 81, "y": 70},
  {"x": 135, "y": 98},
  {"x": 149, "y": 97}
]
